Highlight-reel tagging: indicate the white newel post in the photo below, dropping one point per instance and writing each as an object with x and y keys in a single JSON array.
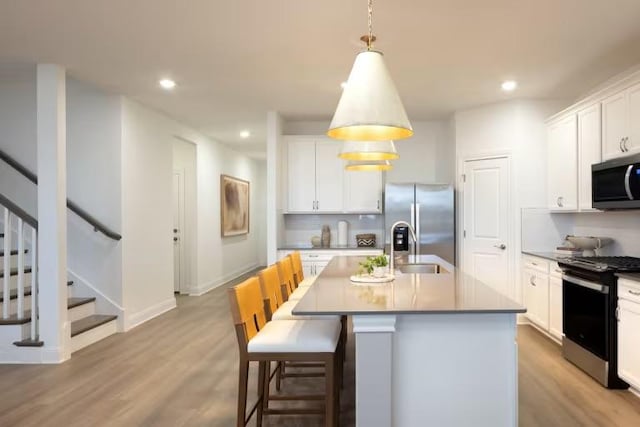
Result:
[
  {"x": 52, "y": 212},
  {"x": 374, "y": 357}
]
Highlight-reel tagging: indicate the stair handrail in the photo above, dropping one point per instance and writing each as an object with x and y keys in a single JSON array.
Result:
[
  {"x": 97, "y": 225},
  {"x": 19, "y": 212}
]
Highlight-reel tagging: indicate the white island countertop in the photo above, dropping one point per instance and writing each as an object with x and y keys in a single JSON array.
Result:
[
  {"x": 431, "y": 349},
  {"x": 450, "y": 291}
]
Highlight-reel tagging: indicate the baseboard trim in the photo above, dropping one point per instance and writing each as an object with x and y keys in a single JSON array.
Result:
[
  {"x": 137, "y": 319},
  {"x": 207, "y": 287},
  {"x": 12, "y": 355}
]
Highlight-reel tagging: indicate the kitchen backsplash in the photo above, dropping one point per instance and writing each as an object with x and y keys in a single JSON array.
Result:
[
  {"x": 543, "y": 230},
  {"x": 299, "y": 228}
]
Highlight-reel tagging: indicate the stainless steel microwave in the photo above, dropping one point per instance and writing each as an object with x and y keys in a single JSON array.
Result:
[{"x": 615, "y": 184}]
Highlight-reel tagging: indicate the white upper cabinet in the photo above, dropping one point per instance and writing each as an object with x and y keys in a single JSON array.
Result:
[
  {"x": 633, "y": 143},
  {"x": 329, "y": 176},
  {"x": 621, "y": 123},
  {"x": 562, "y": 146},
  {"x": 589, "y": 152},
  {"x": 302, "y": 176},
  {"x": 318, "y": 183},
  {"x": 614, "y": 125},
  {"x": 363, "y": 192}
]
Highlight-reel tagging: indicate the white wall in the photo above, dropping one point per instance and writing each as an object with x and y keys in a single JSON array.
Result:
[
  {"x": 18, "y": 133},
  {"x": 221, "y": 259},
  {"x": 94, "y": 183},
  {"x": 427, "y": 157},
  {"x": 147, "y": 220},
  {"x": 516, "y": 128}
]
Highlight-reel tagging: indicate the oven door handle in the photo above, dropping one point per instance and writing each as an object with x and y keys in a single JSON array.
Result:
[
  {"x": 585, "y": 284},
  {"x": 627, "y": 181}
]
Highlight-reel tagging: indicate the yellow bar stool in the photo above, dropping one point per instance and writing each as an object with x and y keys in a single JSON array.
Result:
[
  {"x": 290, "y": 291},
  {"x": 298, "y": 271},
  {"x": 275, "y": 306},
  {"x": 281, "y": 340}
]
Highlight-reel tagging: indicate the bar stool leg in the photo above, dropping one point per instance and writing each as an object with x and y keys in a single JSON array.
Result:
[
  {"x": 261, "y": 380},
  {"x": 330, "y": 388},
  {"x": 267, "y": 387},
  {"x": 242, "y": 391}
]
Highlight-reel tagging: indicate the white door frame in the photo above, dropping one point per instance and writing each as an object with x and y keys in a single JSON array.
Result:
[
  {"x": 512, "y": 241},
  {"x": 182, "y": 230}
]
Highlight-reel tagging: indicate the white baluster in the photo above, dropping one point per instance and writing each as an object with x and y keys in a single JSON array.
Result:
[
  {"x": 34, "y": 285},
  {"x": 7, "y": 264},
  {"x": 20, "y": 311}
]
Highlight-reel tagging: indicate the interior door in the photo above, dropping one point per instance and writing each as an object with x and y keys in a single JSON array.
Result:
[
  {"x": 178, "y": 227},
  {"x": 487, "y": 248}
]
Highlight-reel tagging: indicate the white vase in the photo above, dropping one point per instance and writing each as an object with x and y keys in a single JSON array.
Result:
[{"x": 379, "y": 272}]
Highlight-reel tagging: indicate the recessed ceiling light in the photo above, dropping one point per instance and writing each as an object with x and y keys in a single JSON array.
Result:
[
  {"x": 343, "y": 85},
  {"x": 167, "y": 84},
  {"x": 509, "y": 85},
  {"x": 245, "y": 134}
]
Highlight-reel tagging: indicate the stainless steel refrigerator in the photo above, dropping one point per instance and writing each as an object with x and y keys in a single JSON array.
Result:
[{"x": 429, "y": 208}]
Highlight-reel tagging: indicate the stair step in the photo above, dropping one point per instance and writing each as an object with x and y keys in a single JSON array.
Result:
[
  {"x": 14, "y": 272},
  {"x": 13, "y": 293},
  {"x": 12, "y": 252},
  {"x": 13, "y": 319},
  {"x": 90, "y": 322},
  {"x": 78, "y": 301},
  {"x": 29, "y": 343}
]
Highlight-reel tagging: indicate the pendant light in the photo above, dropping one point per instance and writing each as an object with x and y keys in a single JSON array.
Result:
[
  {"x": 370, "y": 108},
  {"x": 369, "y": 150},
  {"x": 368, "y": 166}
]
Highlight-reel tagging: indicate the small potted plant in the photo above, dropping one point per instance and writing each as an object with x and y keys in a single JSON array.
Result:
[{"x": 375, "y": 266}]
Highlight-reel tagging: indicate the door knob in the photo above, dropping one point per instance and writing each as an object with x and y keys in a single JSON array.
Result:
[
  {"x": 175, "y": 239},
  {"x": 500, "y": 246}
]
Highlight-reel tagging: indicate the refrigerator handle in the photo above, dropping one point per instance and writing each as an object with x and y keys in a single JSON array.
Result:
[
  {"x": 413, "y": 223},
  {"x": 417, "y": 228}
]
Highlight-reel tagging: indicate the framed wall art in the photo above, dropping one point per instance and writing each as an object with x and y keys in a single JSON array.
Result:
[{"x": 234, "y": 203}]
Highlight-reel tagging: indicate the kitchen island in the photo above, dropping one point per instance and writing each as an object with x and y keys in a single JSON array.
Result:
[{"x": 431, "y": 349}]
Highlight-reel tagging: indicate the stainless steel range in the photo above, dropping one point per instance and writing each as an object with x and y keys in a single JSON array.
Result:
[{"x": 590, "y": 300}]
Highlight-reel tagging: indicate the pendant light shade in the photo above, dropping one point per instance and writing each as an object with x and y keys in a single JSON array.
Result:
[
  {"x": 368, "y": 166},
  {"x": 369, "y": 150},
  {"x": 370, "y": 108}
]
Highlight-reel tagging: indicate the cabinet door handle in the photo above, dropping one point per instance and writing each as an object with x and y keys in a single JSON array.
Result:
[
  {"x": 634, "y": 292},
  {"x": 532, "y": 280},
  {"x": 624, "y": 144},
  {"x": 620, "y": 144},
  {"x": 378, "y": 204},
  {"x": 560, "y": 201},
  {"x": 618, "y": 314}
]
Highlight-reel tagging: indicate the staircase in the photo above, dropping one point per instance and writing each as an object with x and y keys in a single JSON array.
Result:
[{"x": 17, "y": 324}]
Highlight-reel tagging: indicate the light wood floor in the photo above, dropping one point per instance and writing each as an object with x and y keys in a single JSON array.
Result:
[{"x": 180, "y": 369}]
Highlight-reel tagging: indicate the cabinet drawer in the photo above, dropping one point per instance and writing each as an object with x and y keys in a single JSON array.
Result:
[
  {"x": 317, "y": 256},
  {"x": 629, "y": 290},
  {"x": 535, "y": 263}
]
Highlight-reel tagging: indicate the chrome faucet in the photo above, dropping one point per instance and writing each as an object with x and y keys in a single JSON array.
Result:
[{"x": 393, "y": 227}]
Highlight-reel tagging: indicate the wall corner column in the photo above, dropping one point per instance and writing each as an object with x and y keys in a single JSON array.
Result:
[
  {"x": 274, "y": 180},
  {"x": 52, "y": 212}
]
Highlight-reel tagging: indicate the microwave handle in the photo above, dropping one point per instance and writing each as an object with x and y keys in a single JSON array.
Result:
[{"x": 627, "y": 182}]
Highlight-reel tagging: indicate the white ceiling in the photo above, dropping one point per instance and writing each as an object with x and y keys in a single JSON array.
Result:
[{"x": 236, "y": 59}]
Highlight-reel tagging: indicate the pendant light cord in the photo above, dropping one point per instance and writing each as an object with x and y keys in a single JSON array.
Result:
[{"x": 370, "y": 40}]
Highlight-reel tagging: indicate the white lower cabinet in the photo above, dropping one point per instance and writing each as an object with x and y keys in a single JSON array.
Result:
[
  {"x": 542, "y": 290},
  {"x": 315, "y": 260},
  {"x": 629, "y": 332},
  {"x": 537, "y": 297},
  {"x": 555, "y": 307}
]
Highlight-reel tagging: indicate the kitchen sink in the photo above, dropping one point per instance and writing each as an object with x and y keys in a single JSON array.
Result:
[{"x": 421, "y": 268}]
